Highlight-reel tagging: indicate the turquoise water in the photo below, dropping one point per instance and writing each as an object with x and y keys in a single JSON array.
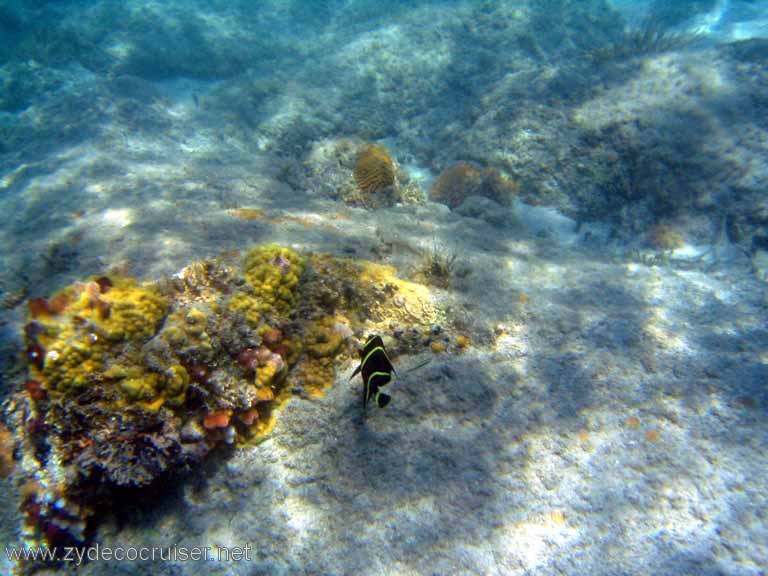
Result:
[{"x": 569, "y": 243}]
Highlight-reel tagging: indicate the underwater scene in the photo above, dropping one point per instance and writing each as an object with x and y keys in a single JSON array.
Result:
[{"x": 351, "y": 287}]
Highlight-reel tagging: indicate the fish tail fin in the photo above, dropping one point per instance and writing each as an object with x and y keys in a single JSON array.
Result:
[{"x": 382, "y": 399}]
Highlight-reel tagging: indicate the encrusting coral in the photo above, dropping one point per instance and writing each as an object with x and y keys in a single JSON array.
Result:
[
  {"x": 98, "y": 316},
  {"x": 325, "y": 336},
  {"x": 273, "y": 274},
  {"x": 129, "y": 383}
]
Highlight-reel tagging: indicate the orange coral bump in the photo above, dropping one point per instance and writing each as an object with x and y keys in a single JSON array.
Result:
[
  {"x": 35, "y": 390},
  {"x": 265, "y": 394},
  {"x": 6, "y": 452},
  {"x": 249, "y": 416},
  {"x": 217, "y": 419},
  {"x": 42, "y": 307},
  {"x": 38, "y": 307},
  {"x": 272, "y": 336},
  {"x": 455, "y": 183},
  {"x": 58, "y": 303}
]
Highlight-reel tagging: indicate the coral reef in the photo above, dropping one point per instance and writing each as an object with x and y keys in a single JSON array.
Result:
[
  {"x": 314, "y": 377},
  {"x": 324, "y": 337},
  {"x": 131, "y": 383},
  {"x": 336, "y": 285},
  {"x": 498, "y": 186}
]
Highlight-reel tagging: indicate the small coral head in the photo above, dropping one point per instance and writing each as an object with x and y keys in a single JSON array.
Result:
[
  {"x": 37, "y": 425},
  {"x": 104, "y": 284},
  {"x": 42, "y": 307},
  {"x": 104, "y": 309},
  {"x": 35, "y": 390},
  {"x": 249, "y": 416},
  {"x": 93, "y": 289},
  {"x": 283, "y": 264},
  {"x": 272, "y": 336},
  {"x": 248, "y": 359},
  {"x": 32, "y": 509},
  {"x": 216, "y": 419},
  {"x": 263, "y": 354},
  {"x": 374, "y": 169},
  {"x": 281, "y": 350},
  {"x": 55, "y": 534},
  {"x": 278, "y": 361},
  {"x": 37, "y": 307}
]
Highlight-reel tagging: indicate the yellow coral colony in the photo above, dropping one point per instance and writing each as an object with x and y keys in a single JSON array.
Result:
[
  {"x": 273, "y": 273},
  {"x": 79, "y": 340},
  {"x": 99, "y": 337},
  {"x": 410, "y": 304}
]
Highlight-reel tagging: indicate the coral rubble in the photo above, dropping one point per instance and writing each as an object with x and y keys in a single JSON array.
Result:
[{"x": 130, "y": 384}]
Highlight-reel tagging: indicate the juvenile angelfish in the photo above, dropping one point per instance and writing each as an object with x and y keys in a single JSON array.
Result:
[{"x": 376, "y": 370}]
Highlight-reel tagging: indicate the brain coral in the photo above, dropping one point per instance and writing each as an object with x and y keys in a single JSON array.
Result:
[{"x": 374, "y": 169}]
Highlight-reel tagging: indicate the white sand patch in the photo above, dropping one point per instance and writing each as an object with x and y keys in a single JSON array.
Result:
[
  {"x": 531, "y": 541},
  {"x": 118, "y": 217}
]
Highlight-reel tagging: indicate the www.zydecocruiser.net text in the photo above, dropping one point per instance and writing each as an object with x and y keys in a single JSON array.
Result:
[{"x": 78, "y": 555}]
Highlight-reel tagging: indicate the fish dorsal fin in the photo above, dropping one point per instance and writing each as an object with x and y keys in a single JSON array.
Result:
[{"x": 357, "y": 371}]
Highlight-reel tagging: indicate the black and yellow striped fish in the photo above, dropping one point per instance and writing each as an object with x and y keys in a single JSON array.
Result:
[{"x": 377, "y": 371}]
